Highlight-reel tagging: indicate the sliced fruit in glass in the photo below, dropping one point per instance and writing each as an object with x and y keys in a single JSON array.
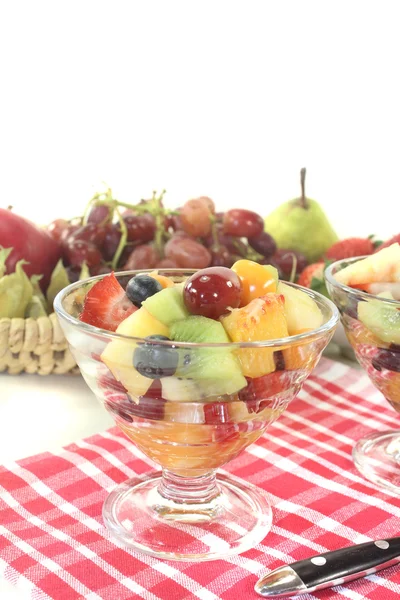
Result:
[{"x": 188, "y": 406}]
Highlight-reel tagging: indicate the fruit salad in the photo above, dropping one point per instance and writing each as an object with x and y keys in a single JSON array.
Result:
[
  {"x": 183, "y": 377},
  {"x": 371, "y": 314}
]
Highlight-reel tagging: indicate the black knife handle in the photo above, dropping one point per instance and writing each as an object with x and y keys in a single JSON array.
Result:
[{"x": 347, "y": 563}]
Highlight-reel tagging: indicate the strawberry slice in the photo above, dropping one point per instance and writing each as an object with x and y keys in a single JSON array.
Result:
[{"x": 106, "y": 304}]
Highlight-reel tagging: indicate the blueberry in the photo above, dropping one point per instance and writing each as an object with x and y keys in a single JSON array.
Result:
[
  {"x": 387, "y": 359},
  {"x": 155, "y": 360},
  {"x": 141, "y": 287}
]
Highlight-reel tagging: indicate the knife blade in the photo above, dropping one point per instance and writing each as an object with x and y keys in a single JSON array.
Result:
[{"x": 329, "y": 569}]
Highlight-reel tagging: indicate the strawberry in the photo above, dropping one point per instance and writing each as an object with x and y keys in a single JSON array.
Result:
[
  {"x": 312, "y": 277},
  {"x": 106, "y": 304},
  {"x": 262, "y": 391},
  {"x": 313, "y": 271},
  {"x": 393, "y": 240},
  {"x": 350, "y": 248}
]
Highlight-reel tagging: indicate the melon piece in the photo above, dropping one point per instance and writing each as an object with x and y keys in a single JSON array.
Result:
[
  {"x": 167, "y": 305},
  {"x": 118, "y": 354},
  {"x": 381, "y": 318},
  {"x": 384, "y": 266},
  {"x": 301, "y": 311},
  {"x": 263, "y": 319}
]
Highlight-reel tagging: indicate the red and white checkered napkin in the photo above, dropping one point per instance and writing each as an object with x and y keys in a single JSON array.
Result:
[{"x": 53, "y": 542}]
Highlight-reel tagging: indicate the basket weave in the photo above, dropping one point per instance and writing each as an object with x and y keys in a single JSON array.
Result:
[{"x": 34, "y": 346}]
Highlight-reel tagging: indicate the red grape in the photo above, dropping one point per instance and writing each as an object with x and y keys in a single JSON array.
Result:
[
  {"x": 243, "y": 223},
  {"x": 144, "y": 256},
  {"x": 79, "y": 251},
  {"x": 100, "y": 214},
  {"x": 210, "y": 292},
  {"x": 92, "y": 232},
  {"x": 173, "y": 222},
  {"x": 284, "y": 260},
  {"x": 125, "y": 254},
  {"x": 208, "y": 202},
  {"x": 167, "y": 263},
  {"x": 187, "y": 253},
  {"x": 264, "y": 244},
  {"x": 221, "y": 257},
  {"x": 111, "y": 241},
  {"x": 67, "y": 233},
  {"x": 141, "y": 228},
  {"x": 100, "y": 269},
  {"x": 234, "y": 244},
  {"x": 73, "y": 273},
  {"x": 56, "y": 228},
  {"x": 195, "y": 216}
]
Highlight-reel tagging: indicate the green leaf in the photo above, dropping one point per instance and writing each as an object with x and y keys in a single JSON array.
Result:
[
  {"x": 35, "y": 308},
  {"x": 318, "y": 285},
  {"x": 85, "y": 273},
  {"x": 16, "y": 292},
  {"x": 4, "y": 254},
  {"x": 58, "y": 281},
  {"x": 37, "y": 291}
]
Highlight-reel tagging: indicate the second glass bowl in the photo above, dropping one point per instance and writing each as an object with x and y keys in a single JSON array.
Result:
[{"x": 372, "y": 326}]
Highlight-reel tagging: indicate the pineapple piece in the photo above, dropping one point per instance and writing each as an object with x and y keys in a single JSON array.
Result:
[
  {"x": 302, "y": 312},
  {"x": 262, "y": 319}
]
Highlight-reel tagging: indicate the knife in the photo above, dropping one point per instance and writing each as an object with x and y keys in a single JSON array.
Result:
[{"x": 329, "y": 569}]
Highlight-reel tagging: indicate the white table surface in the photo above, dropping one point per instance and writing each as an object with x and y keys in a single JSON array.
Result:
[{"x": 45, "y": 413}]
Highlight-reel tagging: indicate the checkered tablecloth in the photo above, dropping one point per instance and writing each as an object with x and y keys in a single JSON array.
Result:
[{"x": 53, "y": 543}]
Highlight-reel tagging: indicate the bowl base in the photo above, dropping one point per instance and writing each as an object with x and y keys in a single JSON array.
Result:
[
  {"x": 377, "y": 457},
  {"x": 235, "y": 520}
]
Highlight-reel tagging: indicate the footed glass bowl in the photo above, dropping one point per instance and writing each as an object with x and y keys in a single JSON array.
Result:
[
  {"x": 190, "y": 423},
  {"x": 372, "y": 326}
]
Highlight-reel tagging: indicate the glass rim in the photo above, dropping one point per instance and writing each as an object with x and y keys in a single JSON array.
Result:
[
  {"x": 331, "y": 279},
  {"x": 112, "y": 335}
]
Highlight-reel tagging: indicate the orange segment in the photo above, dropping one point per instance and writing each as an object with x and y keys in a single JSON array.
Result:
[
  {"x": 164, "y": 281},
  {"x": 302, "y": 356},
  {"x": 262, "y": 319},
  {"x": 257, "y": 280}
]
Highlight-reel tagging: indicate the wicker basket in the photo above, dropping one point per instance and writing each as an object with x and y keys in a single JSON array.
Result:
[{"x": 34, "y": 346}]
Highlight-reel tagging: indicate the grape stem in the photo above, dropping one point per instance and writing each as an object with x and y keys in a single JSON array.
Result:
[
  {"x": 88, "y": 207},
  {"x": 253, "y": 255},
  {"x": 158, "y": 213},
  {"x": 122, "y": 241},
  {"x": 294, "y": 268},
  {"x": 303, "y": 199},
  {"x": 214, "y": 232}
]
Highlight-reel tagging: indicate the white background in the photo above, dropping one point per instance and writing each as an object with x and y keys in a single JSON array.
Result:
[{"x": 228, "y": 99}]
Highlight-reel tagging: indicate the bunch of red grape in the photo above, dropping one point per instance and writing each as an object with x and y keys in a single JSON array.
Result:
[{"x": 147, "y": 236}]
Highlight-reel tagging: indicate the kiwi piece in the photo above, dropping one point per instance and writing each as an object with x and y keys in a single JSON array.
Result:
[
  {"x": 199, "y": 330},
  {"x": 167, "y": 305},
  {"x": 382, "y": 319},
  {"x": 215, "y": 371}
]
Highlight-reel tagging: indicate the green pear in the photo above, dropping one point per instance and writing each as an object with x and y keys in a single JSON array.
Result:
[{"x": 301, "y": 225}]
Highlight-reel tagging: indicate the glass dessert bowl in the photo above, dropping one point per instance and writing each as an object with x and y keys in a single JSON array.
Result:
[
  {"x": 191, "y": 407},
  {"x": 371, "y": 318}
]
